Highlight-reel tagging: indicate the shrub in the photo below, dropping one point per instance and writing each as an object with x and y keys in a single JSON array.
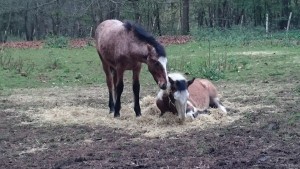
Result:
[{"x": 56, "y": 42}]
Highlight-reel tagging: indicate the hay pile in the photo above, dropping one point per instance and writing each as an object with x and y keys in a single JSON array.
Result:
[
  {"x": 150, "y": 124},
  {"x": 88, "y": 106}
]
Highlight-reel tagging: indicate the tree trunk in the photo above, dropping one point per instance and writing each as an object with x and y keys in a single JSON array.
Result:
[
  {"x": 185, "y": 29},
  {"x": 157, "y": 19},
  {"x": 137, "y": 15},
  {"x": 200, "y": 17},
  {"x": 27, "y": 25}
]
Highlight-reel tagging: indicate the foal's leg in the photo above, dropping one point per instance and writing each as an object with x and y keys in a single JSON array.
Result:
[
  {"x": 136, "y": 89},
  {"x": 118, "y": 81},
  {"x": 219, "y": 105}
]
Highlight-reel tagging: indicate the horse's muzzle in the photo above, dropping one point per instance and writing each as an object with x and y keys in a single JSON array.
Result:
[{"x": 163, "y": 86}]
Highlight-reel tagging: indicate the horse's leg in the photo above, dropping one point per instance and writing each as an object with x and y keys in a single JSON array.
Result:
[
  {"x": 112, "y": 92},
  {"x": 118, "y": 81},
  {"x": 110, "y": 86},
  {"x": 136, "y": 89}
]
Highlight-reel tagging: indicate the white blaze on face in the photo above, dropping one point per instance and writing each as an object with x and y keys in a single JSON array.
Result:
[
  {"x": 181, "y": 97},
  {"x": 163, "y": 61},
  {"x": 181, "y": 102}
]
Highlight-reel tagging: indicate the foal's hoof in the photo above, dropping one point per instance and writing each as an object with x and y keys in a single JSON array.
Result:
[{"x": 138, "y": 115}]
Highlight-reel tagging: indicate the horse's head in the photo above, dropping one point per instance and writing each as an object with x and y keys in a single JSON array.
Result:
[
  {"x": 179, "y": 91},
  {"x": 157, "y": 66}
]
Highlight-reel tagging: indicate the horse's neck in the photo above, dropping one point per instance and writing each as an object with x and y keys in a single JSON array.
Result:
[{"x": 139, "y": 51}]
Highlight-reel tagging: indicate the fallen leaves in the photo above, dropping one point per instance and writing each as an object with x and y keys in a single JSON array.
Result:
[{"x": 83, "y": 42}]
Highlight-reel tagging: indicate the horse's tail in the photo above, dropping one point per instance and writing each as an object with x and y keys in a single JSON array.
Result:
[{"x": 143, "y": 35}]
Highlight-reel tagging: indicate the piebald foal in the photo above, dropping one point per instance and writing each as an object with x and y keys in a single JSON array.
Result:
[{"x": 188, "y": 97}]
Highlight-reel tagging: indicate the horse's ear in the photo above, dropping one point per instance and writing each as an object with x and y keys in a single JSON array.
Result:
[
  {"x": 149, "y": 47},
  {"x": 150, "y": 51},
  {"x": 190, "y": 82},
  {"x": 171, "y": 80}
]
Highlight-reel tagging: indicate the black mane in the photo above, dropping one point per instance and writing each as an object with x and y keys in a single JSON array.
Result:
[{"x": 143, "y": 35}]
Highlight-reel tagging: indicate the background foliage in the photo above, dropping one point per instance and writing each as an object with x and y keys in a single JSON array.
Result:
[{"x": 38, "y": 19}]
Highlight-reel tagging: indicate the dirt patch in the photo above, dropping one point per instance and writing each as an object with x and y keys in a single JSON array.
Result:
[{"x": 71, "y": 128}]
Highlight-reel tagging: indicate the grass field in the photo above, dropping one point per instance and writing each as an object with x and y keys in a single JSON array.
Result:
[
  {"x": 53, "y": 106},
  {"x": 31, "y": 68}
]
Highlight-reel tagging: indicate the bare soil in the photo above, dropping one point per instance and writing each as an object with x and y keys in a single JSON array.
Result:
[{"x": 71, "y": 128}]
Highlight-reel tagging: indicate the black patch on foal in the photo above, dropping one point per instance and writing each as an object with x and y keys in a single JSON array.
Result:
[
  {"x": 181, "y": 85},
  {"x": 145, "y": 36}
]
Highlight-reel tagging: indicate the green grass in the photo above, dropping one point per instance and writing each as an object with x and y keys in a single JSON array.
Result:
[
  {"x": 50, "y": 67},
  {"x": 294, "y": 118},
  {"x": 236, "y": 63},
  {"x": 257, "y": 60}
]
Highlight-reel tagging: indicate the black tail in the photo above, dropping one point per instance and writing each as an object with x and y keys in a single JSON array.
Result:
[{"x": 143, "y": 35}]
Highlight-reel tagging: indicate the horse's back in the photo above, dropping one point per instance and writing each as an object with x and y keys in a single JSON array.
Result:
[
  {"x": 118, "y": 45},
  {"x": 108, "y": 33}
]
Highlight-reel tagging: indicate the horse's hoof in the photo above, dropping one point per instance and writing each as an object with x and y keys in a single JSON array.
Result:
[
  {"x": 116, "y": 115},
  {"x": 138, "y": 115}
]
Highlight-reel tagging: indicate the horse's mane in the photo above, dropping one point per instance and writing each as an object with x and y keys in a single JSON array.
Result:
[{"x": 143, "y": 35}]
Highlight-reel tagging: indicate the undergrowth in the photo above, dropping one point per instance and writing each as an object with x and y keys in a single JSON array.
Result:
[{"x": 56, "y": 42}]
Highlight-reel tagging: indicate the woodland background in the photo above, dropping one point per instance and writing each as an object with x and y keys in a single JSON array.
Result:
[{"x": 38, "y": 19}]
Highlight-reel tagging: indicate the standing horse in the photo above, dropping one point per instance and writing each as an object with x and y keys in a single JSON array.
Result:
[
  {"x": 188, "y": 97},
  {"x": 125, "y": 46}
]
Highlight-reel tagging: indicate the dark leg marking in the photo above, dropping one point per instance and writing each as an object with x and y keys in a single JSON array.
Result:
[
  {"x": 119, "y": 91},
  {"x": 136, "y": 92},
  {"x": 111, "y": 104},
  {"x": 213, "y": 105}
]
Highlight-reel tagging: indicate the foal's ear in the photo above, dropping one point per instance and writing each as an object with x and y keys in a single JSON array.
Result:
[
  {"x": 190, "y": 82},
  {"x": 171, "y": 80}
]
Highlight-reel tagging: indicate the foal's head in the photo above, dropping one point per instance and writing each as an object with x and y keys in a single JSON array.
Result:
[
  {"x": 157, "y": 66},
  {"x": 179, "y": 91}
]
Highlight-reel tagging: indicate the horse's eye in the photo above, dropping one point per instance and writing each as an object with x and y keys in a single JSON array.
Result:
[{"x": 157, "y": 64}]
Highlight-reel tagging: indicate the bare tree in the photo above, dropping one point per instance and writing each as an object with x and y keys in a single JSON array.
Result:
[{"x": 185, "y": 28}]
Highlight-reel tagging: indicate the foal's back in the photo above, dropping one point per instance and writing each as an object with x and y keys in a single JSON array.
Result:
[
  {"x": 199, "y": 95},
  {"x": 203, "y": 94}
]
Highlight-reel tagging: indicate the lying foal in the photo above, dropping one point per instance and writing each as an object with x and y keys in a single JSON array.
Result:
[{"x": 188, "y": 97}]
